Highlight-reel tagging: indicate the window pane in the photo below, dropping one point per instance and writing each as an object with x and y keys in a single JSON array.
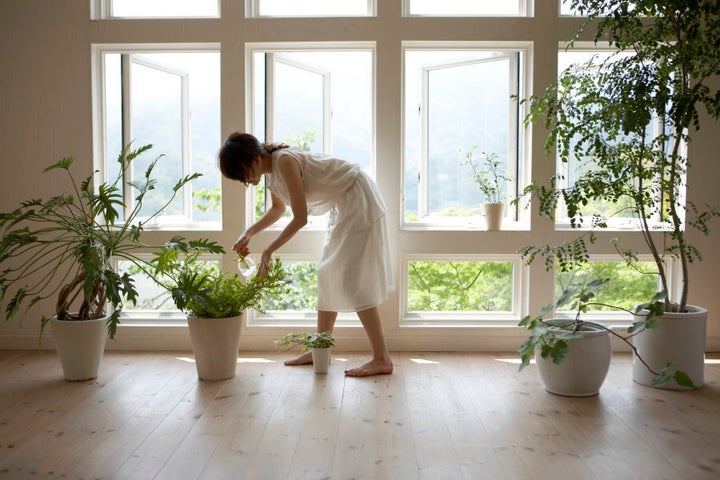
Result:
[
  {"x": 458, "y": 108},
  {"x": 302, "y": 293},
  {"x": 164, "y": 8},
  {"x": 313, "y": 8},
  {"x": 463, "y": 286},
  {"x": 322, "y": 103},
  {"x": 627, "y": 288},
  {"x": 174, "y": 104},
  {"x": 466, "y": 7}
]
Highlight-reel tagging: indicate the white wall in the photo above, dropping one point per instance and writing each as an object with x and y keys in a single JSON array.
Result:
[{"x": 45, "y": 114}]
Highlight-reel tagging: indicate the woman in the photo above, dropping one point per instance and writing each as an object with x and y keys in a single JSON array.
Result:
[{"x": 354, "y": 271}]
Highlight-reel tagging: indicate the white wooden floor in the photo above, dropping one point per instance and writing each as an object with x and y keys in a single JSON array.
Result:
[{"x": 439, "y": 416}]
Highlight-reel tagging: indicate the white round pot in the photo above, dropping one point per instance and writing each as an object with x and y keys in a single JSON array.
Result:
[
  {"x": 321, "y": 359},
  {"x": 677, "y": 338},
  {"x": 80, "y": 345},
  {"x": 493, "y": 213},
  {"x": 585, "y": 367},
  {"x": 215, "y": 343}
]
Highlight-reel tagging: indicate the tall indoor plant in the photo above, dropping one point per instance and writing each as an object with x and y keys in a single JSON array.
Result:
[
  {"x": 64, "y": 248},
  {"x": 213, "y": 300},
  {"x": 629, "y": 120}
]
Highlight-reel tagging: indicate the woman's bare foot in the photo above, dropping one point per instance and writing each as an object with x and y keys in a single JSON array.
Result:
[
  {"x": 373, "y": 367},
  {"x": 302, "y": 359}
]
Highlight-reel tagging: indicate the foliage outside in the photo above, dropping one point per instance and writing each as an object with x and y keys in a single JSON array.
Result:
[
  {"x": 64, "y": 246},
  {"x": 605, "y": 113},
  {"x": 307, "y": 341},
  {"x": 203, "y": 291}
]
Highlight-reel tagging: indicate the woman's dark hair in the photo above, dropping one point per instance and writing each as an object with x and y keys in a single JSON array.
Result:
[{"x": 237, "y": 153}]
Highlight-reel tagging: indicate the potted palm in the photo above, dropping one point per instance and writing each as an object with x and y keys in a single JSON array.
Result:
[
  {"x": 320, "y": 344},
  {"x": 628, "y": 119},
  {"x": 491, "y": 177},
  {"x": 64, "y": 248},
  {"x": 213, "y": 301}
]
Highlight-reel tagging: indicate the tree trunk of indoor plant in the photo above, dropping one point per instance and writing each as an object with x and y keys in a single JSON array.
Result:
[
  {"x": 585, "y": 367},
  {"x": 215, "y": 343},
  {"x": 80, "y": 345},
  {"x": 679, "y": 338}
]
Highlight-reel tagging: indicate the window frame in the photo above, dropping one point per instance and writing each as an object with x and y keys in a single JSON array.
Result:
[
  {"x": 515, "y": 218},
  {"x": 520, "y": 283},
  {"x": 100, "y": 158},
  {"x": 525, "y": 9},
  {"x": 252, "y": 10},
  {"x": 102, "y": 10}
]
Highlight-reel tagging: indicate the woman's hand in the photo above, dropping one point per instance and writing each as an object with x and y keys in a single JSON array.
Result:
[
  {"x": 242, "y": 244},
  {"x": 265, "y": 260}
]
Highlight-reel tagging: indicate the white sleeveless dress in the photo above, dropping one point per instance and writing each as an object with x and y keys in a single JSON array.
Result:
[{"x": 355, "y": 269}]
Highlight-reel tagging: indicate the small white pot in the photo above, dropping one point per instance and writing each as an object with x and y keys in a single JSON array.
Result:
[
  {"x": 215, "y": 343},
  {"x": 585, "y": 367},
  {"x": 321, "y": 359},
  {"x": 80, "y": 345},
  {"x": 493, "y": 213},
  {"x": 678, "y": 338}
]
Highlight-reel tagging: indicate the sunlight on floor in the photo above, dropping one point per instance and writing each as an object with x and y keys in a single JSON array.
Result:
[
  {"x": 712, "y": 361},
  {"x": 512, "y": 360},
  {"x": 423, "y": 361}
]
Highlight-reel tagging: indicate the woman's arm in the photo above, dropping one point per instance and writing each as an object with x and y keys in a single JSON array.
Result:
[
  {"x": 292, "y": 174},
  {"x": 272, "y": 215}
]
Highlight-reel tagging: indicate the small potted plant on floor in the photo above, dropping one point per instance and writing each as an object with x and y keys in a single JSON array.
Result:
[
  {"x": 319, "y": 344},
  {"x": 213, "y": 301},
  {"x": 491, "y": 177},
  {"x": 64, "y": 248},
  {"x": 628, "y": 120}
]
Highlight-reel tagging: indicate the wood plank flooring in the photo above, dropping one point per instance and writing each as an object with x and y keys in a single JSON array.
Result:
[{"x": 439, "y": 416}]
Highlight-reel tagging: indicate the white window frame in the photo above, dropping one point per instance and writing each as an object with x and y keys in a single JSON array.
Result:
[
  {"x": 519, "y": 304},
  {"x": 620, "y": 318},
  {"x": 525, "y": 9},
  {"x": 102, "y": 10},
  {"x": 562, "y": 222},
  {"x": 176, "y": 222},
  {"x": 278, "y": 48},
  {"x": 520, "y": 164},
  {"x": 252, "y": 10}
]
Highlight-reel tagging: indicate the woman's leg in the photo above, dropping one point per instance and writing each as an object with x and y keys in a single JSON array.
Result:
[
  {"x": 381, "y": 362},
  {"x": 326, "y": 323}
]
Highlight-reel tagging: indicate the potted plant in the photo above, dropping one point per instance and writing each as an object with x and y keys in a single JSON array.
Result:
[
  {"x": 628, "y": 120},
  {"x": 320, "y": 344},
  {"x": 64, "y": 247},
  {"x": 573, "y": 355},
  {"x": 213, "y": 301},
  {"x": 491, "y": 178}
]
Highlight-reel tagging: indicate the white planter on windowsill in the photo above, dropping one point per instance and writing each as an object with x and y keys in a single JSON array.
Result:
[{"x": 493, "y": 213}]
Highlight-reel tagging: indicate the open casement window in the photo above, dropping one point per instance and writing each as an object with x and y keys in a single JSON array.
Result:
[
  {"x": 318, "y": 100},
  {"x": 619, "y": 214},
  {"x": 463, "y": 110},
  {"x": 169, "y": 100}
]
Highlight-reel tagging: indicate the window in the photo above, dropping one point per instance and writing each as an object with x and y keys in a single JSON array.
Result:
[
  {"x": 156, "y": 8},
  {"x": 457, "y": 290},
  {"x": 318, "y": 98},
  {"x": 467, "y": 7},
  {"x": 629, "y": 286},
  {"x": 618, "y": 214},
  {"x": 458, "y": 105},
  {"x": 169, "y": 99},
  {"x": 311, "y": 8}
]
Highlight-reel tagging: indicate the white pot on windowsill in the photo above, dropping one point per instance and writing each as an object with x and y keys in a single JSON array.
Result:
[{"x": 493, "y": 213}]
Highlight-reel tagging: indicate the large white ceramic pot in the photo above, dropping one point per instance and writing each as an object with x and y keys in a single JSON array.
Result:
[
  {"x": 215, "y": 343},
  {"x": 80, "y": 345},
  {"x": 585, "y": 367},
  {"x": 677, "y": 338},
  {"x": 321, "y": 359},
  {"x": 493, "y": 213}
]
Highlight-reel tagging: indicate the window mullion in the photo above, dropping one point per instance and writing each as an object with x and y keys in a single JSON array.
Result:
[{"x": 126, "y": 101}]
